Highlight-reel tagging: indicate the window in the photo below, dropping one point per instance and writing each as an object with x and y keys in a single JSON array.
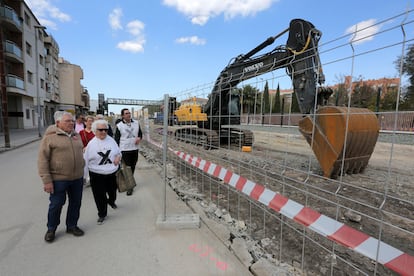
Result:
[
  {"x": 41, "y": 60},
  {"x": 26, "y": 19},
  {"x": 42, "y": 83},
  {"x": 27, "y": 114},
  {"x": 29, "y": 77},
  {"x": 28, "y": 49}
]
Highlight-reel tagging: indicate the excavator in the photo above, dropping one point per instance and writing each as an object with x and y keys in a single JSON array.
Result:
[{"x": 342, "y": 138}]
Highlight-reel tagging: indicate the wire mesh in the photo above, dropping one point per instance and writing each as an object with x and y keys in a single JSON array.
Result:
[{"x": 377, "y": 203}]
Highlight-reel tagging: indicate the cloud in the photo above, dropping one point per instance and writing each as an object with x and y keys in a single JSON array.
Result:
[
  {"x": 135, "y": 28},
  {"x": 115, "y": 19},
  {"x": 191, "y": 39},
  {"x": 134, "y": 46},
  {"x": 200, "y": 11},
  {"x": 363, "y": 31},
  {"x": 47, "y": 13}
]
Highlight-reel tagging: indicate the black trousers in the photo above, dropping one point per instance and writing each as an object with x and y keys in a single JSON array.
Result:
[
  {"x": 130, "y": 158},
  {"x": 103, "y": 190}
]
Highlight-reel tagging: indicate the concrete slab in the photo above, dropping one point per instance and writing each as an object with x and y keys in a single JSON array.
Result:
[{"x": 178, "y": 221}]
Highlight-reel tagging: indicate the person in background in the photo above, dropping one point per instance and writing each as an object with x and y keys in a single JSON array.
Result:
[
  {"x": 60, "y": 166},
  {"x": 80, "y": 123},
  {"x": 103, "y": 156},
  {"x": 128, "y": 135},
  {"x": 87, "y": 134},
  {"x": 101, "y": 117}
]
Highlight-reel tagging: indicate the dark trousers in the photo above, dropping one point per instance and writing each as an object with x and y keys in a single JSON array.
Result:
[
  {"x": 73, "y": 189},
  {"x": 103, "y": 190},
  {"x": 130, "y": 158}
]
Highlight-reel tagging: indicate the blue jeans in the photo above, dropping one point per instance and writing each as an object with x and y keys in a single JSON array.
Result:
[{"x": 73, "y": 189}]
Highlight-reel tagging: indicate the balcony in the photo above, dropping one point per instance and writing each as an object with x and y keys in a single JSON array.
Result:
[
  {"x": 13, "y": 52},
  {"x": 10, "y": 19},
  {"x": 13, "y": 81}
]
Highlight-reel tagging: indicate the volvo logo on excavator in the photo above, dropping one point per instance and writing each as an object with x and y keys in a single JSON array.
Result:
[{"x": 253, "y": 67}]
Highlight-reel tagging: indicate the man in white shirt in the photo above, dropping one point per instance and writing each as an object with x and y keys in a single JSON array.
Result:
[{"x": 128, "y": 135}]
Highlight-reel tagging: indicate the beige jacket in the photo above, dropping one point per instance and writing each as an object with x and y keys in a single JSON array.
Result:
[{"x": 60, "y": 156}]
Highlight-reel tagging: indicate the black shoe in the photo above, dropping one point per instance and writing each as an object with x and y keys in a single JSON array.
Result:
[
  {"x": 76, "y": 231},
  {"x": 50, "y": 236},
  {"x": 129, "y": 192},
  {"x": 113, "y": 205},
  {"x": 101, "y": 220}
]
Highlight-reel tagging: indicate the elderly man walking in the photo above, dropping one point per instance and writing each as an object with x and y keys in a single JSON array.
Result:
[{"x": 60, "y": 166}]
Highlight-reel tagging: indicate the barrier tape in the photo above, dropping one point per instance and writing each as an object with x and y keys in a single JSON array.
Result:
[{"x": 334, "y": 230}]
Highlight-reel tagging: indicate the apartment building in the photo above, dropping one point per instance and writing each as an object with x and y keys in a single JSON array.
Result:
[{"x": 35, "y": 81}]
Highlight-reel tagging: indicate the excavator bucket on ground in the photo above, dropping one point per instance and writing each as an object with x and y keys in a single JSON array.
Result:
[{"x": 341, "y": 135}]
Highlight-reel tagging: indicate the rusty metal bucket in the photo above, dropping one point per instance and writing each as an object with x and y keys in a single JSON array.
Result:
[{"x": 341, "y": 136}]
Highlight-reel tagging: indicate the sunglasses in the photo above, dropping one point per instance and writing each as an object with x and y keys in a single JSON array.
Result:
[{"x": 102, "y": 129}]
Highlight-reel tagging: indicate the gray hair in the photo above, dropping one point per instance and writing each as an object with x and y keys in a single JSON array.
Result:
[
  {"x": 99, "y": 116},
  {"x": 99, "y": 122},
  {"x": 59, "y": 115}
]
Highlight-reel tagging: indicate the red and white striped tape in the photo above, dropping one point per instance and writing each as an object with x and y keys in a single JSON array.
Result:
[{"x": 358, "y": 241}]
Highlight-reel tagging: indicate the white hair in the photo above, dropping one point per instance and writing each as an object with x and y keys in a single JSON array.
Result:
[
  {"x": 99, "y": 122},
  {"x": 59, "y": 115}
]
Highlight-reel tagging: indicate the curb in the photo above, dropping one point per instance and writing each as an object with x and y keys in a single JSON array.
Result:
[{"x": 13, "y": 147}]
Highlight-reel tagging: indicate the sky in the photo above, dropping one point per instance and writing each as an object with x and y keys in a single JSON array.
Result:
[{"x": 137, "y": 49}]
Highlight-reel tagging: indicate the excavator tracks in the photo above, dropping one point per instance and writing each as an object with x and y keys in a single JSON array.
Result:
[
  {"x": 210, "y": 139},
  {"x": 202, "y": 137}
]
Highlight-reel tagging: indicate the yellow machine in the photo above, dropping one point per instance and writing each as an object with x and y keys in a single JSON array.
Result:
[{"x": 190, "y": 113}]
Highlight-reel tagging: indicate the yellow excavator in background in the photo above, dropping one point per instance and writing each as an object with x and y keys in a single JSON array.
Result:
[
  {"x": 190, "y": 113},
  {"x": 342, "y": 138}
]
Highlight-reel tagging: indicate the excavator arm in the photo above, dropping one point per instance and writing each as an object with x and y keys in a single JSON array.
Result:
[{"x": 299, "y": 57}]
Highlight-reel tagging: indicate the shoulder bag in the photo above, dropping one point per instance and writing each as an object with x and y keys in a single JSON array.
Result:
[{"x": 124, "y": 178}]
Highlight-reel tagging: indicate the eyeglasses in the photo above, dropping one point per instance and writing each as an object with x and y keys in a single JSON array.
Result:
[
  {"x": 102, "y": 129},
  {"x": 127, "y": 113}
]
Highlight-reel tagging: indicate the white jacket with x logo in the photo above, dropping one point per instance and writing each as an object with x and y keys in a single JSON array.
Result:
[{"x": 129, "y": 132}]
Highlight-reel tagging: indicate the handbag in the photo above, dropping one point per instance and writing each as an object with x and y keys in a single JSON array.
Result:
[{"x": 124, "y": 178}]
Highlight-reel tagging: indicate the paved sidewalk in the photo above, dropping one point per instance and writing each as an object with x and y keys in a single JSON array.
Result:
[
  {"x": 20, "y": 137},
  {"x": 128, "y": 243}
]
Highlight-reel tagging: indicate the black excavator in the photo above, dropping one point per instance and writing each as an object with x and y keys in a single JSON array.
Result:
[{"x": 340, "y": 137}]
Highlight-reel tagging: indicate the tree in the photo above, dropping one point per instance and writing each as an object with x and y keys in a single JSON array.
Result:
[
  {"x": 363, "y": 96},
  {"x": 340, "y": 95},
  {"x": 276, "y": 106},
  {"x": 266, "y": 104},
  {"x": 248, "y": 94},
  {"x": 389, "y": 101},
  {"x": 408, "y": 69},
  {"x": 294, "y": 104}
]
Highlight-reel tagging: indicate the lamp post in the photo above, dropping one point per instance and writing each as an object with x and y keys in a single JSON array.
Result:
[
  {"x": 261, "y": 103},
  {"x": 38, "y": 27}
]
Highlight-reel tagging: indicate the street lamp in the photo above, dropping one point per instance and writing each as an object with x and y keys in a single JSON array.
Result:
[
  {"x": 261, "y": 103},
  {"x": 38, "y": 27}
]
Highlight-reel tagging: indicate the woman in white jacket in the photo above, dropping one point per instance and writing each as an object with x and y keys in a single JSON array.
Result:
[{"x": 102, "y": 157}]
